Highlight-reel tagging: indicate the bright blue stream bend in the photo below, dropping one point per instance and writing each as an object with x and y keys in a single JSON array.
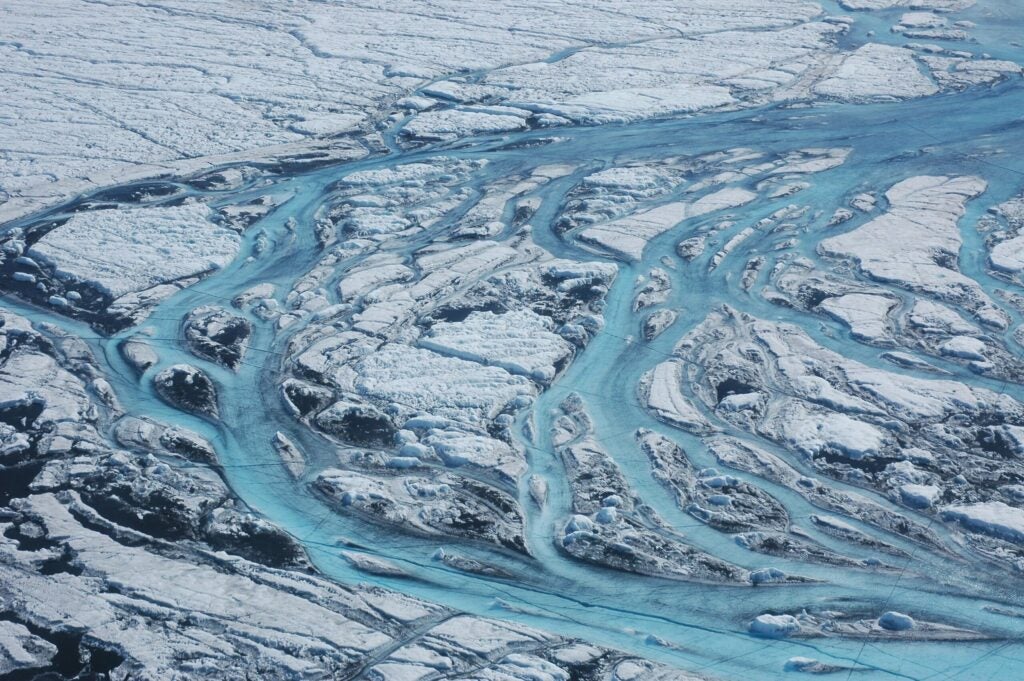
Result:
[{"x": 697, "y": 627}]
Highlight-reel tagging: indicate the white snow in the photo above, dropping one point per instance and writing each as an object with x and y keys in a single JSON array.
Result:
[
  {"x": 485, "y": 636},
  {"x": 774, "y": 626},
  {"x": 320, "y": 76},
  {"x": 919, "y": 496},
  {"x": 456, "y": 448},
  {"x": 397, "y": 671},
  {"x": 866, "y": 314},
  {"x": 375, "y": 273},
  {"x": 461, "y": 123},
  {"x": 936, "y": 318},
  {"x": 127, "y": 250},
  {"x": 674, "y": 74},
  {"x": 444, "y": 267},
  {"x": 813, "y": 432},
  {"x": 520, "y": 341},
  {"x": 922, "y": 20},
  {"x": 27, "y": 378},
  {"x": 902, "y": 245},
  {"x": 524, "y": 666},
  {"x": 628, "y": 237},
  {"x": 21, "y": 649},
  {"x": 422, "y": 380},
  {"x": 91, "y": 110},
  {"x": 663, "y": 386},
  {"x": 943, "y": 5},
  {"x": 1008, "y": 255},
  {"x": 964, "y": 347},
  {"x": 991, "y": 517},
  {"x": 147, "y": 582},
  {"x": 875, "y": 72},
  {"x": 627, "y": 104}
]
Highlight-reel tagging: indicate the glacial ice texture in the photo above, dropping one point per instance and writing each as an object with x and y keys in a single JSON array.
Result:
[{"x": 567, "y": 341}]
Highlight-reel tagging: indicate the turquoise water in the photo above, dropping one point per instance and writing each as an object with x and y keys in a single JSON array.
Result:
[{"x": 703, "y": 628}]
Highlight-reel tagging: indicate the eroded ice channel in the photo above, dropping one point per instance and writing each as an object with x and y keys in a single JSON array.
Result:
[{"x": 722, "y": 392}]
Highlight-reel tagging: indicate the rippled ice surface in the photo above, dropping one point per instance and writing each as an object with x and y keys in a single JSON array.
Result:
[{"x": 696, "y": 626}]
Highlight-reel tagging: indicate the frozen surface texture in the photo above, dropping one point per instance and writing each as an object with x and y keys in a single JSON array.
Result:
[
  {"x": 575, "y": 341},
  {"x": 103, "y": 556},
  {"x": 140, "y": 89},
  {"x": 124, "y": 251}
]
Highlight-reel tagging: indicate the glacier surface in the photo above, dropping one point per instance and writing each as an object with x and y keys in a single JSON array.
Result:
[{"x": 405, "y": 341}]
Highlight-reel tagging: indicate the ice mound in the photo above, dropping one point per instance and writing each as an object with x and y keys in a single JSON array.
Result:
[
  {"x": 775, "y": 626},
  {"x": 896, "y": 621}
]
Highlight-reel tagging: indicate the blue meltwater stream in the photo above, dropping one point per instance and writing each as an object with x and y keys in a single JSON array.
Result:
[{"x": 697, "y": 627}]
